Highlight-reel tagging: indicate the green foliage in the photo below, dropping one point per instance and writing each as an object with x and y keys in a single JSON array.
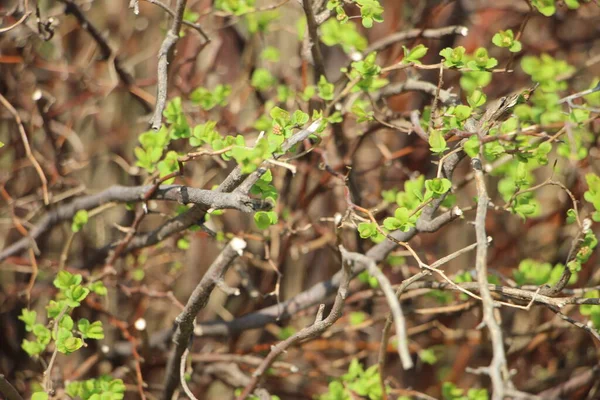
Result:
[
  {"x": 262, "y": 79},
  {"x": 401, "y": 220},
  {"x": 435, "y": 188},
  {"x": 179, "y": 127},
  {"x": 367, "y": 230},
  {"x": 333, "y": 33},
  {"x": 368, "y": 279},
  {"x": 286, "y": 332},
  {"x": 260, "y": 21},
  {"x": 476, "y": 98},
  {"x": 204, "y": 133},
  {"x": 359, "y": 110},
  {"x": 264, "y": 219},
  {"x": 546, "y": 70},
  {"x": 370, "y": 11},
  {"x": 592, "y": 195},
  {"x": 481, "y": 61},
  {"x": 472, "y": 80},
  {"x": 71, "y": 293},
  {"x": 79, "y": 220},
  {"x": 90, "y": 330},
  {"x": 428, "y": 356},
  {"x": 357, "y": 381},
  {"x": 207, "y": 99},
  {"x": 102, "y": 388},
  {"x": 270, "y": 53},
  {"x": 325, "y": 89},
  {"x": 412, "y": 196},
  {"x": 538, "y": 273},
  {"x": 546, "y": 7},
  {"x": 357, "y": 318},
  {"x": 338, "y": 7},
  {"x": 235, "y": 7},
  {"x": 151, "y": 150},
  {"x": 507, "y": 39},
  {"x": 591, "y": 310},
  {"x": 586, "y": 247},
  {"x": 454, "y": 57},
  {"x": 437, "y": 143},
  {"x": 415, "y": 54},
  {"x": 451, "y": 392},
  {"x": 168, "y": 165},
  {"x": 264, "y": 188},
  {"x": 367, "y": 71}
]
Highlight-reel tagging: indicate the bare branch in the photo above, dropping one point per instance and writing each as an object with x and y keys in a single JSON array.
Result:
[
  {"x": 310, "y": 332},
  {"x": 184, "y": 323},
  {"x": 163, "y": 64},
  {"x": 106, "y": 51},
  {"x": 205, "y": 199},
  {"x": 498, "y": 370}
]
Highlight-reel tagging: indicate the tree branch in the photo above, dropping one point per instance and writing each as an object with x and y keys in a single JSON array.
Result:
[
  {"x": 163, "y": 64},
  {"x": 497, "y": 370},
  {"x": 184, "y": 323},
  {"x": 204, "y": 199},
  {"x": 320, "y": 325}
]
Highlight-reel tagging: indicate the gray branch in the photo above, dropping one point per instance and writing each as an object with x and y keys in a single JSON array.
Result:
[
  {"x": 163, "y": 64},
  {"x": 315, "y": 330},
  {"x": 204, "y": 199},
  {"x": 436, "y": 33},
  {"x": 184, "y": 323},
  {"x": 497, "y": 370}
]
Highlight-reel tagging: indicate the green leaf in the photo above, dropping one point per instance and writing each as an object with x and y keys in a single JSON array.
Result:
[
  {"x": 438, "y": 186},
  {"x": 207, "y": 99},
  {"x": 264, "y": 219},
  {"x": 477, "y": 98},
  {"x": 454, "y": 57},
  {"x": 471, "y": 146},
  {"x": 39, "y": 396},
  {"x": 64, "y": 280},
  {"x": 79, "y": 220},
  {"x": 462, "y": 112},
  {"x": 414, "y": 55},
  {"x": 168, "y": 165},
  {"x": 90, "y": 330},
  {"x": 55, "y": 307},
  {"x": 28, "y": 317},
  {"x": 437, "y": 142},
  {"x": 325, "y": 89},
  {"x": 357, "y": 318},
  {"x": 546, "y": 7},
  {"x": 75, "y": 295},
  {"x": 262, "y": 79},
  {"x": 428, "y": 356},
  {"x": 333, "y": 33},
  {"x": 42, "y": 334},
  {"x": 367, "y": 230},
  {"x": 32, "y": 348},
  {"x": 299, "y": 118},
  {"x": 66, "y": 343},
  {"x": 270, "y": 53},
  {"x": 98, "y": 288}
]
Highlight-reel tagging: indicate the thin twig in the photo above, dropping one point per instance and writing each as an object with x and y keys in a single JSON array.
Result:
[
  {"x": 163, "y": 64},
  {"x": 313, "y": 37},
  {"x": 8, "y": 390},
  {"x": 184, "y": 323},
  {"x": 320, "y": 326},
  {"x": 28, "y": 152},
  {"x": 498, "y": 370}
]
